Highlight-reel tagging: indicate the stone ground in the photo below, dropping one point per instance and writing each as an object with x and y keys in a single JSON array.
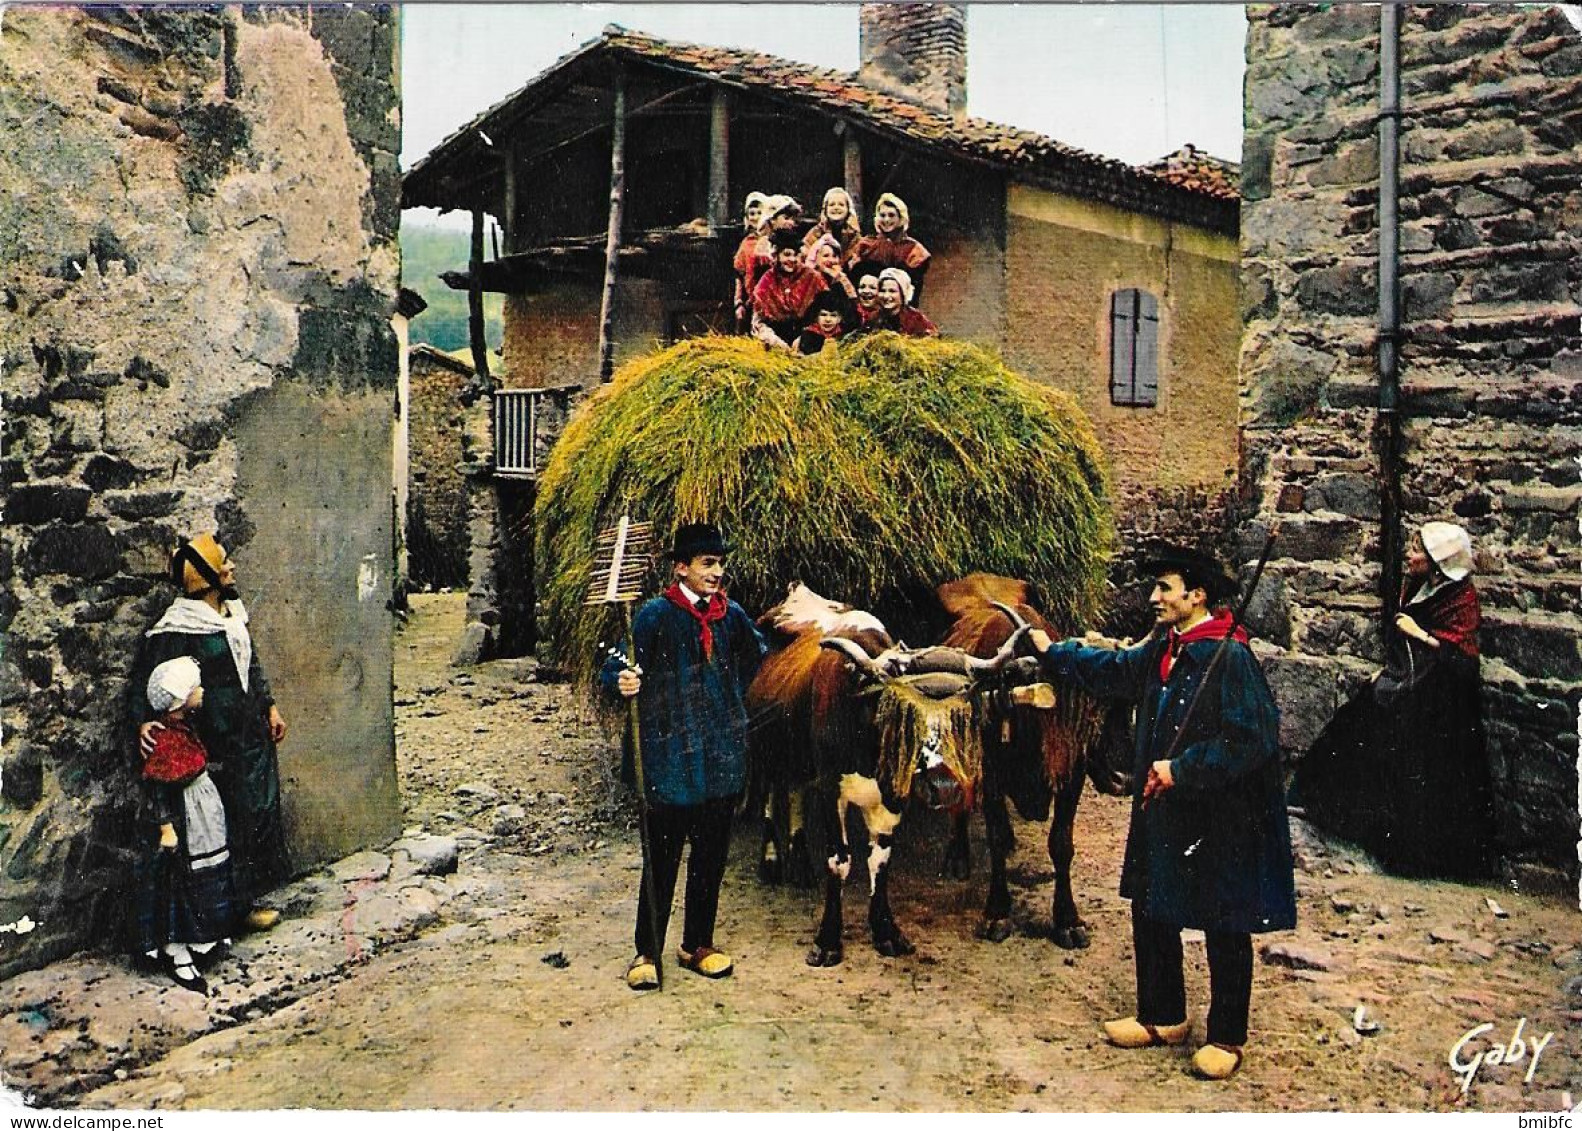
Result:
[{"x": 471, "y": 964}]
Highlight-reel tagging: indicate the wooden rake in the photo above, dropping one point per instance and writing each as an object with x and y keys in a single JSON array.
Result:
[{"x": 620, "y": 566}]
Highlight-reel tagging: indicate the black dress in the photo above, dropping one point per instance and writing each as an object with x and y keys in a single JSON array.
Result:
[{"x": 1402, "y": 769}]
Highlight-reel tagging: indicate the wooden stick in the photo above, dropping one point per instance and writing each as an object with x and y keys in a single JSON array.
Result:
[
  {"x": 655, "y": 916},
  {"x": 612, "y": 237},
  {"x": 480, "y": 347}
]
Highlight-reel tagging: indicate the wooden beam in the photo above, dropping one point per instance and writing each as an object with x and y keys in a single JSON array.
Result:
[
  {"x": 508, "y": 204},
  {"x": 851, "y": 157},
  {"x": 612, "y": 238},
  {"x": 480, "y": 347},
  {"x": 719, "y": 159}
]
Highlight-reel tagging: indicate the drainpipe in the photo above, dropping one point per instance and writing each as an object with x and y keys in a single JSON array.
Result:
[{"x": 1389, "y": 354}]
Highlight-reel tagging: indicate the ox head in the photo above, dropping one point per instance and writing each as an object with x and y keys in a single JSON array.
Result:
[{"x": 928, "y": 714}]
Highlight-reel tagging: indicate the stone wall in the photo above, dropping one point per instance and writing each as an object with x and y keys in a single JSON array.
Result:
[
  {"x": 916, "y": 51},
  {"x": 436, "y": 533},
  {"x": 1491, "y": 265},
  {"x": 198, "y": 212},
  {"x": 502, "y": 595}
]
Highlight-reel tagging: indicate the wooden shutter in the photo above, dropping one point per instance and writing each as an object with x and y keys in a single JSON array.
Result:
[
  {"x": 1123, "y": 341},
  {"x": 1145, "y": 365},
  {"x": 1134, "y": 348}
]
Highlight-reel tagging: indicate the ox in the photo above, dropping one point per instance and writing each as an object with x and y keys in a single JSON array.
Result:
[
  {"x": 781, "y": 769},
  {"x": 1031, "y": 757},
  {"x": 870, "y": 724}
]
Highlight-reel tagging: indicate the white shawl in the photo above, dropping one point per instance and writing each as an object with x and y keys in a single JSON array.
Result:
[{"x": 192, "y": 617}]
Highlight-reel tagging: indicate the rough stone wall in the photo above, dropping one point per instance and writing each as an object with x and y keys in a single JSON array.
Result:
[
  {"x": 198, "y": 212},
  {"x": 917, "y": 51},
  {"x": 502, "y": 599},
  {"x": 437, "y": 536},
  {"x": 1064, "y": 259},
  {"x": 1491, "y": 231}
]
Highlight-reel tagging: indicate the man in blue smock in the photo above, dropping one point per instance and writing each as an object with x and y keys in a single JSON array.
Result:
[
  {"x": 1209, "y": 845},
  {"x": 696, "y": 653}
]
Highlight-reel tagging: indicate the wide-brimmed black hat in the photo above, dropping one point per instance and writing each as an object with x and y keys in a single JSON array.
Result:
[
  {"x": 1197, "y": 569},
  {"x": 695, "y": 539}
]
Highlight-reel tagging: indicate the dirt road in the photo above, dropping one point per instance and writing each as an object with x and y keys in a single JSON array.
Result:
[{"x": 513, "y": 997}]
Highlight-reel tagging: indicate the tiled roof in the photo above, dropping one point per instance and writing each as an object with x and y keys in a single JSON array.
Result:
[
  {"x": 1191, "y": 168},
  {"x": 839, "y": 93}
]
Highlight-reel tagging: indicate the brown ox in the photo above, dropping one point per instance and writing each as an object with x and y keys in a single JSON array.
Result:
[
  {"x": 869, "y": 724},
  {"x": 1031, "y": 756}
]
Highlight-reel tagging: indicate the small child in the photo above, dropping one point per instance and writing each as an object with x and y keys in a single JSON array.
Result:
[
  {"x": 827, "y": 322},
  {"x": 184, "y": 900}
]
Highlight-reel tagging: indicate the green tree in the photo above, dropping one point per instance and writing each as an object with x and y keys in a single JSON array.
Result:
[{"x": 426, "y": 252}]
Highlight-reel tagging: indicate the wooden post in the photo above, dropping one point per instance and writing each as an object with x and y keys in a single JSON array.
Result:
[
  {"x": 719, "y": 161},
  {"x": 508, "y": 206},
  {"x": 851, "y": 154},
  {"x": 612, "y": 239},
  {"x": 480, "y": 347}
]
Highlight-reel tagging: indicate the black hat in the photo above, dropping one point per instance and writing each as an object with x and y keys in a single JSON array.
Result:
[
  {"x": 695, "y": 539},
  {"x": 782, "y": 238},
  {"x": 1197, "y": 569},
  {"x": 826, "y": 300}
]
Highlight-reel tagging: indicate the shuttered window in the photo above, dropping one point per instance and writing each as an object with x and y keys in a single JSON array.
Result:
[{"x": 1134, "y": 349}]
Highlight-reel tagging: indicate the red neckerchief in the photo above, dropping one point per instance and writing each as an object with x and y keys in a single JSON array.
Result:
[
  {"x": 716, "y": 611},
  {"x": 1217, "y": 627}
]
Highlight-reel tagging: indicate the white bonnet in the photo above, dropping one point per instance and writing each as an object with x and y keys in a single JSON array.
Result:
[
  {"x": 171, "y": 682},
  {"x": 1450, "y": 548},
  {"x": 903, "y": 280}
]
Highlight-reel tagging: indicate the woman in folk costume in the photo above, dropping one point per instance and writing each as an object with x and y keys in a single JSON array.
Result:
[
  {"x": 238, "y": 721},
  {"x": 742, "y": 264},
  {"x": 781, "y": 213},
  {"x": 866, "y": 280},
  {"x": 836, "y": 219},
  {"x": 896, "y": 312},
  {"x": 1402, "y": 769},
  {"x": 783, "y": 296},
  {"x": 892, "y": 245},
  {"x": 183, "y": 903},
  {"x": 824, "y": 257}
]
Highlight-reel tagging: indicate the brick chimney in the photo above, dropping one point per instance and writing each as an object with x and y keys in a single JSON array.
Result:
[{"x": 918, "y": 52}]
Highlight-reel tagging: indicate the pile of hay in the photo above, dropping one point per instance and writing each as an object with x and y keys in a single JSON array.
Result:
[{"x": 872, "y": 477}]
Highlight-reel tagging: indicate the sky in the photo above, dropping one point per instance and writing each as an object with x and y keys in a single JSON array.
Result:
[{"x": 1132, "y": 81}]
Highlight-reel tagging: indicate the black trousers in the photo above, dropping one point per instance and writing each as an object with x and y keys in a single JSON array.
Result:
[
  {"x": 707, "y": 827},
  {"x": 1161, "y": 989}
]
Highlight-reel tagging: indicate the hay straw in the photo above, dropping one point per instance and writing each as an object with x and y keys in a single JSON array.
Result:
[{"x": 873, "y": 477}]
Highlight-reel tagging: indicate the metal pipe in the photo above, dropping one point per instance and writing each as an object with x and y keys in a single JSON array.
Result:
[{"x": 1389, "y": 353}]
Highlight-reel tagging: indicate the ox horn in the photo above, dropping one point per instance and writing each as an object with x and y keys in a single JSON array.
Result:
[
  {"x": 1016, "y": 618},
  {"x": 854, "y": 652},
  {"x": 994, "y": 663}
]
